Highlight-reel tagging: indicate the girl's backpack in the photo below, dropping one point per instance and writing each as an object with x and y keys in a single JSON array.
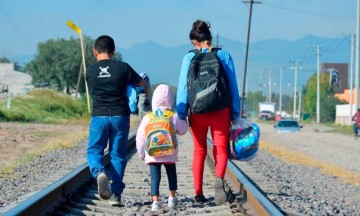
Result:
[{"x": 160, "y": 135}]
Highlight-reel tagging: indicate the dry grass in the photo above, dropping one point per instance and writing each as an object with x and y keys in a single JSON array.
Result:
[
  {"x": 302, "y": 159},
  {"x": 68, "y": 140},
  {"x": 55, "y": 139}
]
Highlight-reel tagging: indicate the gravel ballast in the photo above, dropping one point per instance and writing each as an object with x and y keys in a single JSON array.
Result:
[{"x": 303, "y": 190}]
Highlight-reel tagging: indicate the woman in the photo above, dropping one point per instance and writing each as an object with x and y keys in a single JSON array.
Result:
[{"x": 218, "y": 120}]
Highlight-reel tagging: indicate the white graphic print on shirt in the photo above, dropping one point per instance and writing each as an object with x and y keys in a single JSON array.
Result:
[{"x": 104, "y": 72}]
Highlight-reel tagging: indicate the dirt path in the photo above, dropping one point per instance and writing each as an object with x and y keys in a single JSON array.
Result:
[{"x": 19, "y": 139}]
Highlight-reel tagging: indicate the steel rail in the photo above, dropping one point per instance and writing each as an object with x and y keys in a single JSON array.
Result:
[
  {"x": 260, "y": 204},
  {"x": 46, "y": 200}
]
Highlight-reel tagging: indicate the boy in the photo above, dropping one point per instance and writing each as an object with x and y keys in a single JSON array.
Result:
[{"x": 110, "y": 118}]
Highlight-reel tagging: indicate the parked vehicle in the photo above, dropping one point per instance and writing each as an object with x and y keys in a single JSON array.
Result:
[
  {"x": 287, "y": 126},
  {"x": 266, "y": 111},
  {"x": 266, "y": 115},
  {"x": 277, "y": 118}
]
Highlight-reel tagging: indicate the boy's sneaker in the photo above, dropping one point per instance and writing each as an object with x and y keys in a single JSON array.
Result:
[
  {"x": 172, "y": 202},
  {"x": 200, "y": 199},
  {"x": 103, "y": 186},
  {"x": 155, "y": 206},
  {"x": 220, "y": 195},
  {"x": 115, "y": 200}
]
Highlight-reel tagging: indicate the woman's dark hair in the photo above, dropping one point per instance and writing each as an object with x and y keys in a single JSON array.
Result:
[
  {"x": 200, "y": 31},
  {"x": 105, "y": 44}
]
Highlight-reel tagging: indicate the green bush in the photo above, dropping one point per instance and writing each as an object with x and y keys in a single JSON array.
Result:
[{"x": 42, "y": 106}]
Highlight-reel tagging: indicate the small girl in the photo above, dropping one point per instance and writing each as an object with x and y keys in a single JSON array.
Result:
[{"x": 162, "y": 100}]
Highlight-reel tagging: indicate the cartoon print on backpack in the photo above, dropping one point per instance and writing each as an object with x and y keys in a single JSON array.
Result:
[
  {"x": 207, "y": 83},
  {"x": 160, "y": 135}
]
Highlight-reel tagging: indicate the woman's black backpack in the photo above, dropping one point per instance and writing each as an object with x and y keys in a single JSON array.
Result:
[{"x": 207, "y": 83}]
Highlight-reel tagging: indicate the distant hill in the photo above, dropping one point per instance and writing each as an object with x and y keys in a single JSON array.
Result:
[{"x": 163, "y": 63}]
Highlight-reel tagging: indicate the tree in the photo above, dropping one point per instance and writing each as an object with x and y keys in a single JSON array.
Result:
[
  {"x": 253, "y": 99},
  {"x": 328, "y": 101},
  {"x": 4, "y": 60},
  {"x": 58, "y": 62},
  {"x": 287, "y": 102}
]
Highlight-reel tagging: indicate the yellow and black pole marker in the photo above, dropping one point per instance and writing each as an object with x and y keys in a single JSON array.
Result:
[{"x": 78, "y": 31}]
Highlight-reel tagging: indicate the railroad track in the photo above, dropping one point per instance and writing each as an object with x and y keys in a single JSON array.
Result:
[{"x": 76, "y": 193}]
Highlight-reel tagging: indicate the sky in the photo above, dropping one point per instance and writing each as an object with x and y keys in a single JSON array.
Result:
[{"x": 25, "y": 23}]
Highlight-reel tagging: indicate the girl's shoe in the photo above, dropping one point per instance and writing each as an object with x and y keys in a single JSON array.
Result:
[
  {"x": 155, "y": 206},
  {"x": 172, "y": 202}
]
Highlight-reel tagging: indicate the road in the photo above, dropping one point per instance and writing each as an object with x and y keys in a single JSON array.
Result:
[{"x": 317, "y": 146}]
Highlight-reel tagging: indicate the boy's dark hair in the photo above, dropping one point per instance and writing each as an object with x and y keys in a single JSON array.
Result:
[{"x": 105, "y": 44}]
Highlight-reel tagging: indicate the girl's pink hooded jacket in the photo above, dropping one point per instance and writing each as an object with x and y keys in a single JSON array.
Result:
[{"x": 163, "y": 98}]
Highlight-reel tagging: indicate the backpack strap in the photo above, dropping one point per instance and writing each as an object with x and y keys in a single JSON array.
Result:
[
  {"x": 215, "y": 49},
  {"x": 166, "y": 113},
  {"x": 194, "y": 51}
]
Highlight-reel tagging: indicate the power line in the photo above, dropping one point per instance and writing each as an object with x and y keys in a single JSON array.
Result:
[
  {"x": 309, "y": 13},
  {"x": 12, "y": 23},
  {"x": 339, "y": 49}
]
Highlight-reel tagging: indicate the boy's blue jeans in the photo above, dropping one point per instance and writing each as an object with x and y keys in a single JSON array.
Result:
[
  {"x": 115, "y": 130},
  {"x": 155, "y": 171}
]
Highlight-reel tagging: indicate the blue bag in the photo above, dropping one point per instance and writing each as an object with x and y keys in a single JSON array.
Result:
[
  {"x": 245, "y": 142},
  {"x": 131, "y": 94}
]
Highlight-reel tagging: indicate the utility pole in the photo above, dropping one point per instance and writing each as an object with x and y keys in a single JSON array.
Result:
[
  {"x": 351, "y": 75},
  {"x": 299, "y": 106},
  {"x": 295, "y": 84},
  {"x": 246, "y": 54},
  {"x": 318, "y": 86},
  {"x": 217, "y": 42},
  {"x": 357, "y": 66},
  {"x": 280, "y": 88},
  {"x": 260, "y": 84},
  {"x": 270, "y": 84}
]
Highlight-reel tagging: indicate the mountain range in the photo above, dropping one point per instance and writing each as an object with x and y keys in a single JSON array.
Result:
[{"x": 163, "y": 64}]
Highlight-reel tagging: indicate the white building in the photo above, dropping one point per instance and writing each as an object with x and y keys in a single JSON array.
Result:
[{"x": 16, "y": 81}]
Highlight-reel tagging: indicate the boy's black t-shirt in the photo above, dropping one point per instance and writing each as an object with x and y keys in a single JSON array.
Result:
[{"x": 107, "y": 80}]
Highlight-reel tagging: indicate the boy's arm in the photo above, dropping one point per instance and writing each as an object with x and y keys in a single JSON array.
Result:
[
  {"x": 146, "y": 87},
  {"x": 137, "y": 80}
]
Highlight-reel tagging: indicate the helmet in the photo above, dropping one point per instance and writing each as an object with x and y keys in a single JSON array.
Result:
[{"x": 245, "y": 143}]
